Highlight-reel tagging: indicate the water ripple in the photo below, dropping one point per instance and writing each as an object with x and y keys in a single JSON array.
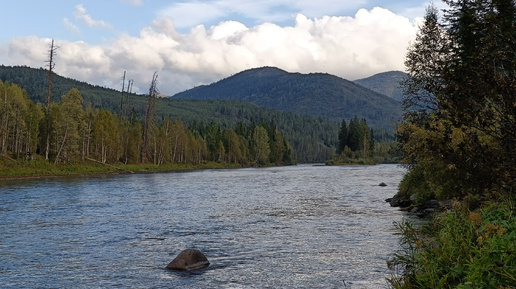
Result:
[{"x": 289, "y": 227}]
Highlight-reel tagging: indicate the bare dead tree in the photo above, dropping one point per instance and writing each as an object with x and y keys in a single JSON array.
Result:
[
  {"x": 121, "y": 116},
  {"x": 50, "y": 65},
  {"x": 129, "y": 91},
  {"x": 149, "y": 115}
]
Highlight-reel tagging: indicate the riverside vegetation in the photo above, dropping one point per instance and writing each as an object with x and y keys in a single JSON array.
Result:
[
  {"x": 71, "y": 139},
  {"x": 85, "y": 128},
  {"x": 357, "y": 146},
  {"x": 458, "y": 137}
]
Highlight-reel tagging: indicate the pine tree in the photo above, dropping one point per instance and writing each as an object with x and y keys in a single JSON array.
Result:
[
  {"x": 466, "y": 144},
  {"x": 343, "y": 137}
]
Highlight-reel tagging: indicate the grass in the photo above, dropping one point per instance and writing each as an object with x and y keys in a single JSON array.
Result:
[
  {"x": 13, "y": 169},
  {"x": 459, "y": 248}
]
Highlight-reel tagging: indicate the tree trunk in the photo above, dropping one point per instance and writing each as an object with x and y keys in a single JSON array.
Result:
[{"x": 62, "y": 145}]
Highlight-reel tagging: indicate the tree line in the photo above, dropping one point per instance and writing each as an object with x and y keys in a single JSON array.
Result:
[
  {"x": 78, "y": 132},
  {"x": 312, "y": 139}
]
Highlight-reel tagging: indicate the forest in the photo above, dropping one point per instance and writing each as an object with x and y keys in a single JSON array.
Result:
[
  {"x": 312, "y": 139},
  {"x": 357, "y": 145},
  {"x": 67, "y": 131},
  {"x": 458, "y": 137}
]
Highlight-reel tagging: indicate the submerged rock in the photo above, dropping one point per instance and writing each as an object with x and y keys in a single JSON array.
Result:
[{"x": 189, "y": 259}]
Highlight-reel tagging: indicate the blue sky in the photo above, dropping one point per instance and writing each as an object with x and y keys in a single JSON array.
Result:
[{"x": 197, "y": 42}]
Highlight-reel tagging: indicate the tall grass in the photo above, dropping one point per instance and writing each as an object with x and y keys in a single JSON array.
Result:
[{"x": 459, "y": 249}]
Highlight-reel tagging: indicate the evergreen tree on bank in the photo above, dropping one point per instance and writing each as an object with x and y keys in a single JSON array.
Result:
[
  {"x": 462, "y": 143},
  {"x": 357, "y": 137},
  {"x": 458, "y": 137},
  {"x": 357, "y": 145}
]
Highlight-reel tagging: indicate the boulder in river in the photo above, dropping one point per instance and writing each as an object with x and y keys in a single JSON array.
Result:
[
  {"x": 189, "y": 259},
  {"x": 382, "y": 184}
]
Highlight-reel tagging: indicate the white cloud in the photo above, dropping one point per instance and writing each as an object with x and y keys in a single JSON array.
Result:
[
  {"x": 227, "y": 29},
  {"x": 372, "y": 41},
  {"x": 81, "y": 14},
  {"x": 71, "y": 27}
]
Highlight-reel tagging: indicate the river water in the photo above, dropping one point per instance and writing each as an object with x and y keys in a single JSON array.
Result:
[{"x": 284, "y": 227}]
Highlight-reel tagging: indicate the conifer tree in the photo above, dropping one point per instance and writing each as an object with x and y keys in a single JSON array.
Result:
[
  {"x": 465, "y": 146},
  {"x": 343, "y": 137}
]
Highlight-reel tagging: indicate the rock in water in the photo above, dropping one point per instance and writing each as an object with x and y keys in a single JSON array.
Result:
[
  {"x": 383, "y": 184},
  {"x": 189, "y": 259}
]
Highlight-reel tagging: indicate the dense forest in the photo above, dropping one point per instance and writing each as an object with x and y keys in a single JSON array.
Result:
[
  {"x": 312, "y": 139},
  {"x": 78, "y": 132},
  {"x": 315, "y": 94},
  {"x": 459, "y": 136}
]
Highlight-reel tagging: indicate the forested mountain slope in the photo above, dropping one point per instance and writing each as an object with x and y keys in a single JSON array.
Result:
[
  {"x": 315, "y": 94},
  {"x": 386, "y": 83},
  {"x": 312, "y": 139}
]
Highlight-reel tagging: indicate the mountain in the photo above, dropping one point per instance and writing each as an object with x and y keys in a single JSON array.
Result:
[
  {"x": 315, "y": 94},
  {"x": 386, "y": 83}
]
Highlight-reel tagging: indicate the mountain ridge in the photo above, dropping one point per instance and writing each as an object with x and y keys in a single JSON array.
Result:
[
  {"x": 387, "y": 83},
  {"x": 314, "y": 94}
]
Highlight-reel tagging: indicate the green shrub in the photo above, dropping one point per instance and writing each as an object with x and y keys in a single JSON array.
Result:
[{"x": 459, "y": 249}]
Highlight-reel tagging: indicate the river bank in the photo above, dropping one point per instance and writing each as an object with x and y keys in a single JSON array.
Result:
[{"x": 22, "y": 169}]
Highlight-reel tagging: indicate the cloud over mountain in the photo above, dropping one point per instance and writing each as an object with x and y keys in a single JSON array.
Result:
[{"x": 371, "y": 41}]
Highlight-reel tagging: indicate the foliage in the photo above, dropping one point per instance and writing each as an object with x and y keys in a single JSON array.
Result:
[
  {"x": 78, "y": 133},
  {"x": 358, "y": 145},
  {"x": 458, "y": 137},
  {"x": 459, "y": 249},
  {"x": 311, "y": 139},
  {"x": 459, "y": 126}
]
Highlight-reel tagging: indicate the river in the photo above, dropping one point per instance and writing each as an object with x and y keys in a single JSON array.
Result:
[{"x": 282, "y": 227}]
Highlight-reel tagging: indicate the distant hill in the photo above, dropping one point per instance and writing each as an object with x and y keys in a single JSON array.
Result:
[
  {"x": 313, "y": 139},
  {"x": 386, "y": 83},
  {"x": 315, "y": 94}
]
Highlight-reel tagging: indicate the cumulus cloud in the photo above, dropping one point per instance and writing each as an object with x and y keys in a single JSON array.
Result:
[
  {"x": 370, "y": 42},
  {"x": 82, "y": 15}
]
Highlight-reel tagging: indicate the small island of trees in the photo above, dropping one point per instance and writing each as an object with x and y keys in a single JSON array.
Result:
[{"x": 358, "y": 145}]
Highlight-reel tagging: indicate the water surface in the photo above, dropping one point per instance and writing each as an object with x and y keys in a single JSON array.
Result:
[{"x": 285, "y": 227}]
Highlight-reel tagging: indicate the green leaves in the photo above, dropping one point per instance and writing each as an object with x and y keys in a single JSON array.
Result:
[
  {"x": 460, "y": 249},
  {"x": 463, "y": 148}
]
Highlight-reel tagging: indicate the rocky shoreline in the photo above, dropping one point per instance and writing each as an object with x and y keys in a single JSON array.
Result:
[{"x": 421, "y": 210}]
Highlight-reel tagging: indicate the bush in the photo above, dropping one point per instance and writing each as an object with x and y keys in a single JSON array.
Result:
[{"x": 459, "y": 249}]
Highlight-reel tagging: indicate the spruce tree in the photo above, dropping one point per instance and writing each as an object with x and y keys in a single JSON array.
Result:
[{"x": 343, "y": 137}]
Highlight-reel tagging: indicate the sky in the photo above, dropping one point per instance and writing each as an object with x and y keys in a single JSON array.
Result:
[{"x": 198, "y": 42}]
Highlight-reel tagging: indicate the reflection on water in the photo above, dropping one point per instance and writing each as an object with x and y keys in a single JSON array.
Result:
[{"x": 289, "y": 227}]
